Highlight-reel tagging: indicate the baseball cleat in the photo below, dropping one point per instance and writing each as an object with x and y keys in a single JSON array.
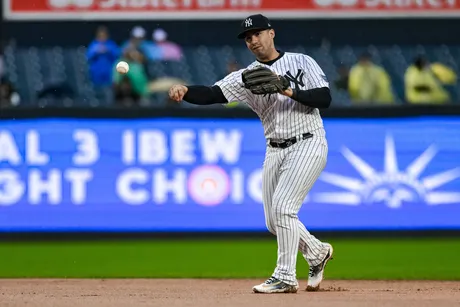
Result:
[
  {"x": 274, "y": 285},
  {"x": 315, "y": 276}
]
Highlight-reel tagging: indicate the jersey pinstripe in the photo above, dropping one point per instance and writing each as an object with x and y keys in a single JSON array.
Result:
[{"x": 281, "y": 117}]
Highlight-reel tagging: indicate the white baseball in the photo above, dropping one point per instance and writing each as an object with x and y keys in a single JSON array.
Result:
[{"x": 122, "y": 67}]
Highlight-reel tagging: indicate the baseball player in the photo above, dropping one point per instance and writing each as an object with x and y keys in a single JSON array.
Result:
[{"x": 285, "y": 90}]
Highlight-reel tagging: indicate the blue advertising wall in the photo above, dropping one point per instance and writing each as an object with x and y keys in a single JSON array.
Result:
[{"x": 205, "y": 175}]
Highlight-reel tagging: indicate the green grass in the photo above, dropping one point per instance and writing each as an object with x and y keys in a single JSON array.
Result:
[{"x": 434, "y": 259}]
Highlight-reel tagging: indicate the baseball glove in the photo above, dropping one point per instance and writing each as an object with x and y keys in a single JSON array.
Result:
[{"x": 261, "y": 81}]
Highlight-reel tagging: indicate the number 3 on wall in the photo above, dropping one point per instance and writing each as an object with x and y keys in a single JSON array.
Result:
[{"x": 87, "y": 146}]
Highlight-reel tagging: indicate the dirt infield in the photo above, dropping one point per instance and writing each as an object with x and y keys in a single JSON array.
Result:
[{"x": 220, "y": 293}]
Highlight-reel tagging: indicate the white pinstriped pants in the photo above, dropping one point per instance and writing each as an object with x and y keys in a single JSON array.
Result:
[{"x": 288, "y": 175}]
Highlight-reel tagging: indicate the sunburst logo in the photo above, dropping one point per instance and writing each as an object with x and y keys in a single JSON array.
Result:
[{"x": 392, "y": 187}]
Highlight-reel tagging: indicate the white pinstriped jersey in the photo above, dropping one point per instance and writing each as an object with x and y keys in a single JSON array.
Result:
[{"x": 281, "y": 116}]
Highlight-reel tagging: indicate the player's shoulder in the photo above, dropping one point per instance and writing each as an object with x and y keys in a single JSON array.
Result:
[
  {"x": 293, "y": 54},
  {"x": 301, "y": 58}
]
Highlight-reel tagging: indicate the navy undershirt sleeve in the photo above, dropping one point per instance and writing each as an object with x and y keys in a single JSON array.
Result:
[
  {"x": 316, "y": 98},
  {"x": 204, "y": 95}
]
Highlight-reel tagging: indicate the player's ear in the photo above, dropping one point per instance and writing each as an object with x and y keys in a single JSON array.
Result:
[{"x": 272, "y": 33}]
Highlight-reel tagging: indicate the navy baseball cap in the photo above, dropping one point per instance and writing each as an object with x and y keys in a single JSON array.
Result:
[{"x": 254, "y": 22}]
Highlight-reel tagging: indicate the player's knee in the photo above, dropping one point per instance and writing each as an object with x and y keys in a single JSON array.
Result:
[{"x": 283, "y": 212}]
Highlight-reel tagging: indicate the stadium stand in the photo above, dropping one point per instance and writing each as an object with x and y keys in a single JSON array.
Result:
[{"x": 35, "y": 71}]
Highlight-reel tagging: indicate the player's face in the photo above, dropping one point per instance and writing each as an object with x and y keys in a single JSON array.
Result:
[{"x": 260, "y": 42}]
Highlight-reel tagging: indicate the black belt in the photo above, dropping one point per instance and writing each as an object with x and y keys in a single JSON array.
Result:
[{"x": 289, "y": 142}]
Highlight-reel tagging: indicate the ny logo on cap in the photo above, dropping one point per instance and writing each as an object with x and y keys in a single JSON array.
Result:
[{"x": 248, "y": 22}]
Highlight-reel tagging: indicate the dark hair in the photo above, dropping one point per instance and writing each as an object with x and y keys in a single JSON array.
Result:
[{"x": 420, "y": 61}]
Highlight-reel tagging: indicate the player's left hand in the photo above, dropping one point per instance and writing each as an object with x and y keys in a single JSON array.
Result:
[{"x": 262, "y": 81}]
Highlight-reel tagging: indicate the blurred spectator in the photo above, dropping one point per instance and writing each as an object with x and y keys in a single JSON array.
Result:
[
  {"x": 447, "y": 77},
  {"x": 369, "y": 83},
  {"x": 8, "y": 95},
  {"x": 445, "y": 74},
  {"x": 125, "y": 95},
  {"x": 137, "y": 41},
  {"x": 102, "y": 54},
  {"x": 164, "y": 49},
  {"x": 344, "y": 75},
  {"x": 136, "y": 74},
  {"x": 422, "y": 85}
]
